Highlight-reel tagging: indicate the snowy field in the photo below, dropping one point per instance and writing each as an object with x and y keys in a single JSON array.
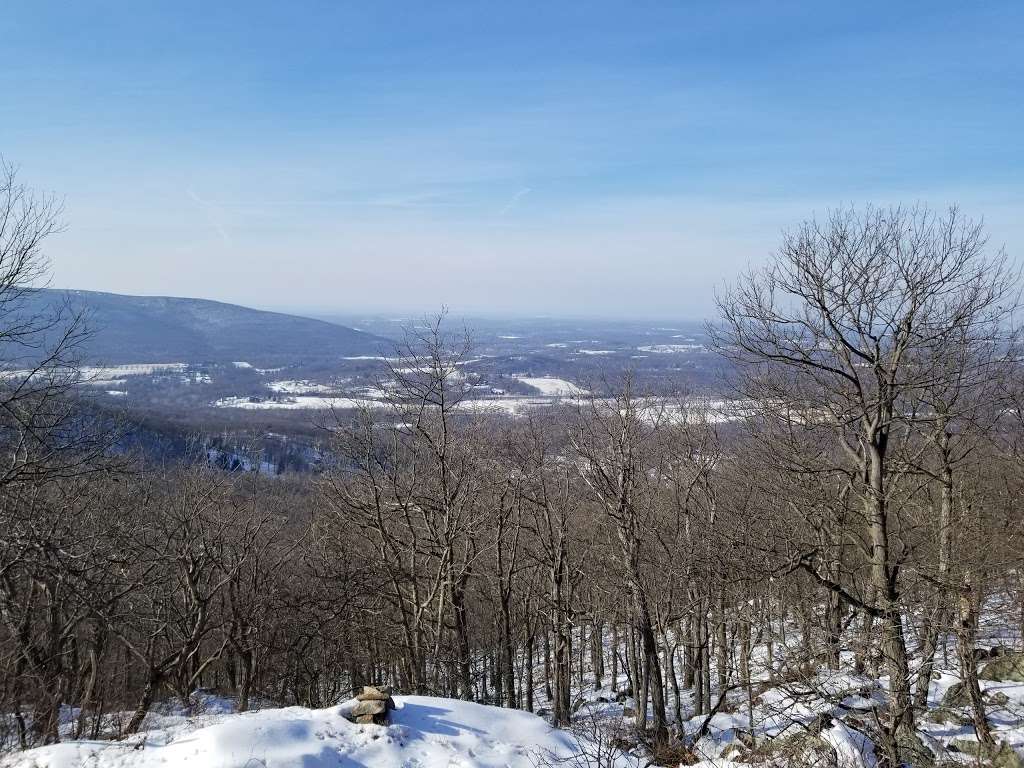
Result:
[
  {"x": 303, "y": 387},
  {"x": 90, "y": 373},
  {"x": 552, "y": 387},
  {"x": 555, "y": 392},
  {"x": 672, "y": 349},
  {"x": 297, "y": 403}
]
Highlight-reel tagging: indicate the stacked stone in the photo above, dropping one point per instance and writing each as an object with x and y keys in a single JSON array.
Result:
[{"x": 375, "y": 703}]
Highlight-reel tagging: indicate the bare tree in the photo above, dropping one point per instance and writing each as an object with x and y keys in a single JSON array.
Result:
[
  {"x": 835, "y": 335},
  {"x": 623, "y": 463}
]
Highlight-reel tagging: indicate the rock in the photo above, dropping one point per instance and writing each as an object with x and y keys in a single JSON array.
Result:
[
  {"x": 998, "y": 698},
  {"x": 374, "y": 693},
  {"x": 995, "y": 652},
  {"x": 956, "y": 696},
  {"x": 915, "y": 752},
  {"x": 945, "y": 716},
  {"x": 1001, "y": 756},
  {"x": 371, "y": 707},
  {"x": 1006, "y": 668},
  {"x": 797, "y": 749}
]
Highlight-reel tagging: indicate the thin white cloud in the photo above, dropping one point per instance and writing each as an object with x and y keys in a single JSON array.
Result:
[{"x": 514, "y": 200}]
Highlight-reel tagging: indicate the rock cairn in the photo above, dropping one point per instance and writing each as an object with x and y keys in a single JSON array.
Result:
[{"x": 373, "y": 705}]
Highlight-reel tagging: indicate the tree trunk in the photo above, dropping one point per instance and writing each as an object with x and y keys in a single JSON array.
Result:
[
  {"x": 145, "y": 702},
  {"x": 967, "y": 632},
  {"x": 936, "y": 617}
]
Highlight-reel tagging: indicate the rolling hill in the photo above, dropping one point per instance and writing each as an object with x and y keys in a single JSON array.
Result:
[{"x": 155, "y": 329}]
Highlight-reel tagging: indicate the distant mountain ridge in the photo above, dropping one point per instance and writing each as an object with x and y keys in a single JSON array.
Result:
[{"x": 159, "y": 329}]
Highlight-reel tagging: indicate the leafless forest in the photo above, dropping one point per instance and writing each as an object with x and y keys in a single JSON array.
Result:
[{"x": 850, "y": 500}]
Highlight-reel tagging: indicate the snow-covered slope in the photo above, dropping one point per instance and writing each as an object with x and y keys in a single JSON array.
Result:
[{"x": 425, "y": 732}]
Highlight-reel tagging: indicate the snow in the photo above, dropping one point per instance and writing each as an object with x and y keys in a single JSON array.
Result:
[
  {"x": 132, "y": 369},
  {"x": 92, "y": 374},
  {"x": 242, "y": 364},
  {"x": 298, "y": 387},
  {"x": 430, "y": 732},
  {"x": 672, "y": 349},
  {"x": 425, "y": 732},
  {"x": 298, "y": 403},
  {"x": 549, "y": 385},
  {"x": 509, "y": 406}
]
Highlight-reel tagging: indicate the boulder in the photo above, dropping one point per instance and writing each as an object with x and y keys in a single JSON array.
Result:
[
  {"x": 1008, "y": 667},
  {"x": 995, "y": 652},
  {"x": 946, "y": 716},
  {"x": 996, "y": 698},
  {"x": 371, "y": 707},
  {"x": 915, "y": 751},
  {"x": 1000, "y": 756},
  {"x": 956, "y": 696},
  {"x": 375, "y": 693},
  {"x": 796, "y": 749}
]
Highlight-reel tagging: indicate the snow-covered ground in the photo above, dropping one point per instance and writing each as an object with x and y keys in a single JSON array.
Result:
[
  {"x": 549, "y": 385},
  {"x": 828, "y": 713},
  {"x": 425, "y": 732},
  {"x": 110, "y": 373},
  {"x": 672, "y": 349},
  {"x": 297, "y": 403},
  {"x": 294, "y": 387}
]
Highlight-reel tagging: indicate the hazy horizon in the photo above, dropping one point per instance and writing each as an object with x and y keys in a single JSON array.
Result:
[{"x": 606, "y": 160}]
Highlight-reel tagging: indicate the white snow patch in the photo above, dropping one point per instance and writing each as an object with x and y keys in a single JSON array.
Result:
[
  {"x": 297, "y": 387},
  {"x": 299, "y": 403},
  {"x": 549, "y": 385},
  {"x": 672, "y": 349},
  {"x": 425, "y": 732}
]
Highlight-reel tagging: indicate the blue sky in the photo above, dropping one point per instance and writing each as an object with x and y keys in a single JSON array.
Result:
[{"x": 560, "y": 158}]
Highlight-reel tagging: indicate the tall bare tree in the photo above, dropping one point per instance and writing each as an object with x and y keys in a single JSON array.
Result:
[{"x": 836, "y": 335}]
